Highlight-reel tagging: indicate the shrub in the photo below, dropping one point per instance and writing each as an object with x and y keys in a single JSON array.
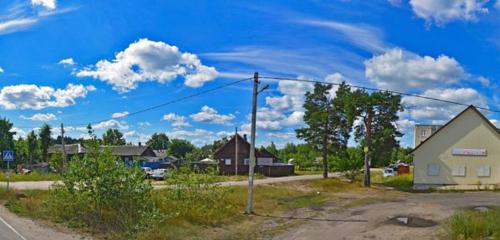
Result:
[
  {"x": 196, "y": 197},
  {"x": 99, "y": 192}
]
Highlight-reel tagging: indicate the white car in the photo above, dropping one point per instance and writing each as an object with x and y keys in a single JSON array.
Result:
[
  {"x": 159, "y": 174},
  {"x": 147, "y": 171},
  {"x": 389, "y": 172}
]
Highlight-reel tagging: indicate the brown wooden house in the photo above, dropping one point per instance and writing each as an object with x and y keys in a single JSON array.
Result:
[{"x": 266, "y": 163}]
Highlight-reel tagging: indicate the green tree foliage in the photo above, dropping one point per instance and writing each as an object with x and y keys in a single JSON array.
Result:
[
  {"x": 329, "y": 121},
  {"x": 351, "y": 163},
  {"x": 113, "y": 137},
  {"x": 6, "y": 134},
  {"x": 272, "y": 149},
  {"x": 402, "y": 154},
  {"x": 180, "y": 147},
  {"x": 158, "y": 141},
  {"x": 21, "y": 150},
  {"x": 382, "y": 108},
  {"x": 45, "y": 141},
  {"x": 99, "y": 192},
  {"x": 33, "y": 146}
]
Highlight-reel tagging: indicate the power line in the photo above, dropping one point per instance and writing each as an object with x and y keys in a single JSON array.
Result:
[
  {"x": 157, "y": 106},
  {"x": 379, "y": 89}
]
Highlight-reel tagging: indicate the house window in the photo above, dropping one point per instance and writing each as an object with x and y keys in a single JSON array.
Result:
[
  {"x": 432, "y": 169},
  {"x": 246, "y": 161},
  {"x": 483, "y": 171},
  {"x": 227, "y": 161},
  {"x": 422, "y": 132},
  {"x": 458, "y": 171}
]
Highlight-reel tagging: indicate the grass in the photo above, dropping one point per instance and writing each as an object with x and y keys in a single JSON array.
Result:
[
  {"x": 472, "y": 224},
  {"x": 231, "y": 223},
  {"x": 34, "y": 176},
  {"x": 399, "y": 182}
]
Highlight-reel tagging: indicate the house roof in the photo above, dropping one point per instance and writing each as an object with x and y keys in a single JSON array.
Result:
[
  {"x": 124, "y": 150},
  {"x": 241, "y": 140},
  {"x": 70, "y": 148},
  {"x": 471, "y": 107}
]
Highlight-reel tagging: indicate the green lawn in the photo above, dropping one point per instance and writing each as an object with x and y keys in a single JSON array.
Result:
[{"x": 34, "y": 176}]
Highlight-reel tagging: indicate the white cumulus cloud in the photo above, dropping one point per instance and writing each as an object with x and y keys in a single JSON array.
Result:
[
  {"x": 176, "y": 120},
  {"x": 147, "y": 60},
  {"x": 44, "y": 117},
  {"x": 67, "y": 61},
  {"x": 421, "y": 109},
  {"x": 31, "y": 96},
  {"x": 398, "y": 69},
  {"x": 444, "y": 11},
  {"x": 210, "y": 115},
  {"x": 1, "y": 70}
]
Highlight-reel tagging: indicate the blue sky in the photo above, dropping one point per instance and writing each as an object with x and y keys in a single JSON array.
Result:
[{"x": 88, "y": 61}]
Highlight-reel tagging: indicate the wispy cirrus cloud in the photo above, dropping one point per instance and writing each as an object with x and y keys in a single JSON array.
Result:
[
  {"x": 364, "y": 36},
  {"x": 20, "y": 16}
]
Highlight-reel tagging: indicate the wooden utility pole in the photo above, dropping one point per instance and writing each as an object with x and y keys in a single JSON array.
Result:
[
  {"x": 252, "y": 163},
  {"x": 236, "y": 151},
  {"x": 368, "y": 135},
  {"x": 63, "y": 147}
]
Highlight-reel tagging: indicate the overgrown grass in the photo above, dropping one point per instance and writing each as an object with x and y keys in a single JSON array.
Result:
[
  {"x": 199, "y": 218},
  {"x": 472, "y": 224},
  {"x": 400, "y": 182},
  {"x": 34, "y": 176}
]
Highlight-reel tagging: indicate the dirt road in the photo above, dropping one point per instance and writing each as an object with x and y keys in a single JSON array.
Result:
[
  {"x": 389, "y": 219},
  {"x": 13, "y": 227}
]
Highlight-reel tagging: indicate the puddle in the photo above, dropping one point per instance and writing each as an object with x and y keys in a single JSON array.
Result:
[{"x": 412, "y": 221}]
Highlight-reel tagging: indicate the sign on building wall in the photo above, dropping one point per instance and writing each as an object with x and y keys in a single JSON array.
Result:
[{"x": 469, "y": 152}]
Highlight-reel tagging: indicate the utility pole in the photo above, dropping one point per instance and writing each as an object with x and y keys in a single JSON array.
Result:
[
  {"x": 251, "y": 166},
  {"x": 368, "y": 133},
  {"x": 236, "y": 151},
  {"x": 63, "y": 147}
]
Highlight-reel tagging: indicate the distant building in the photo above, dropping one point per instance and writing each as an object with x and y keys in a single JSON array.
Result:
[
  {"x": 266, "y": 163},
  {"x": 422, "y": 132}
]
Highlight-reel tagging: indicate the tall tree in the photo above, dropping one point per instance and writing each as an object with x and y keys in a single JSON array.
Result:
[
  {"x": 179, "y": 148},
  {"x": 272, "y": 149},
  {"x": 45, "y": 140},
  {"x": 158, "y": 141},
  {"x": 113, "y": 137},
  {"x": 6, "y": 134},
  {"x": 320, "y": 122},
  {"x": 32, "y": 142},
  {"x": 378, "y": 133}
]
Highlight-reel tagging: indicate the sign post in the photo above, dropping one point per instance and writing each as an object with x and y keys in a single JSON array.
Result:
[{"x": 8, "y": 156}]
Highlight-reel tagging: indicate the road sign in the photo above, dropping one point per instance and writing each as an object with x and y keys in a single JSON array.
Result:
[{"x": 8, "y": 156}]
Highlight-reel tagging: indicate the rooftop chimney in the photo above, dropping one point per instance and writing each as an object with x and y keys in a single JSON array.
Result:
[
  {"x": 140, "y": 144},
  {"x": 245, "y": 137}
]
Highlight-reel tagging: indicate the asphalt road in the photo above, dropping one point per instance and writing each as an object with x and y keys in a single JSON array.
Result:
[
  {"x": 44, "y": 185},
  {"x": 7, "y": 232}
]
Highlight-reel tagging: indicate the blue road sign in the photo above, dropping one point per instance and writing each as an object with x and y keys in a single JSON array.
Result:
[{"x": 8, "y": 155}]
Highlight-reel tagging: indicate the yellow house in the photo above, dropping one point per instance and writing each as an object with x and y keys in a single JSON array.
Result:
[{"x": 464, "y": 152}]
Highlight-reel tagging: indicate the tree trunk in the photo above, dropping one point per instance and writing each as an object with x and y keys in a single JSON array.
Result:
[
  {"x": 325, "y": 156},
  {"x": 368, "y": 133}
]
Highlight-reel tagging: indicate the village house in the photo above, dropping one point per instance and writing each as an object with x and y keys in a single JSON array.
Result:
[
  {"x": 464, "y": 151},
  {"x": 266, "y": 163},
  {"x": 126, "y": 152}
]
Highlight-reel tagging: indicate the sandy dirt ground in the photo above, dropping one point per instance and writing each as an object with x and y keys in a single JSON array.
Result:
[
  {"x": 379, "y": 220},
  {"x": 30, "y": 230}
]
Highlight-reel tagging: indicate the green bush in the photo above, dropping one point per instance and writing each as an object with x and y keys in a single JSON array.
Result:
[
  {"x": 471, "y": 224},
  {"x": 99, "y": 192},
  {"x": 196, "y": 197}
]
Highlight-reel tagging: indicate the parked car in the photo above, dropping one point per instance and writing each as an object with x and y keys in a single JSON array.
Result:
[
  {"x": 147, "y": 171},
  {"x": 389, "y": 172},
  {"x": 159, "y": 174}
]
